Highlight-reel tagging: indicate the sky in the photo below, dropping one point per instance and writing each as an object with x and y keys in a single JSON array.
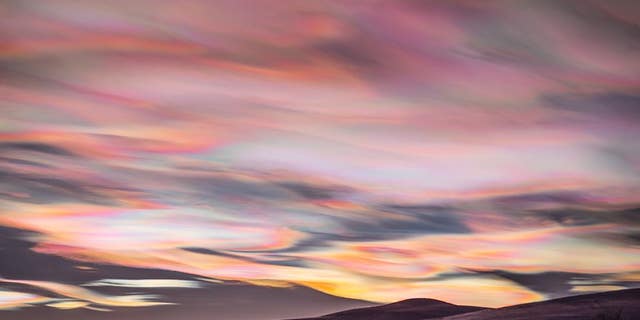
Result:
[{"x": 482, "y": 153}]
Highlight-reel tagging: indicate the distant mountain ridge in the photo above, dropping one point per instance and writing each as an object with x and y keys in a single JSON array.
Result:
[
  {"x": 410, "y": 309},
  {"x": 612, "y": 305}
]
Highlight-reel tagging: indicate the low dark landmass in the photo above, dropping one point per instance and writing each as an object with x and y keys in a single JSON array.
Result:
[
  {"x": 411, "y": 309},
  {"x": 613, "y": 305}
]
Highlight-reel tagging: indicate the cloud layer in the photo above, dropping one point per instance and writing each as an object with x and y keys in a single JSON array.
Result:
[{"x": 375, "y": 151}]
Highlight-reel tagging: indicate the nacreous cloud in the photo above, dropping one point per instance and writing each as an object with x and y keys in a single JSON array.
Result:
[{"x": 397, "y": 150}]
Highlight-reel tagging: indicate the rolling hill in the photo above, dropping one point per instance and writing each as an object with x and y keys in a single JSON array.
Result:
[{"x": 613, "y": 305}]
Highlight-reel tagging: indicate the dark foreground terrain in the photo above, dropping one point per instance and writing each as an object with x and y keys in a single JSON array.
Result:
[
  {"x": 613, "y": 305},
  {"x": 412, "y": 309}
]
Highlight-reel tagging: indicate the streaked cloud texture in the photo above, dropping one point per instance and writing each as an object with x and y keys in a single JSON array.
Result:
[{"x": 375, "y": 150}]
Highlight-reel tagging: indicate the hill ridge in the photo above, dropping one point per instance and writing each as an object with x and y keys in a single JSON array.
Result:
[{"x": 611, "y": 305}]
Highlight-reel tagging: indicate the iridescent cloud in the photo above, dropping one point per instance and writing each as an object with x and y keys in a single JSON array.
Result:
[
  {"x": 374, "y": 151},
  {"x": 144, "y": 283},
  {"x": 11, "y": 300},
  {"x": 75, "y": 292}
]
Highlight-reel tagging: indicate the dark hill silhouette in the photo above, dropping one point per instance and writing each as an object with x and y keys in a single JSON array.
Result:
[
  {"x": 411, "y": 309},
  {"x": 613, "y": 305}
]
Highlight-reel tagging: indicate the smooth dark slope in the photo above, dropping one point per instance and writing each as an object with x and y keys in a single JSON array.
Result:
[
  {"x": 612, "y": 305},
  {"x": 411, "y": 309}
]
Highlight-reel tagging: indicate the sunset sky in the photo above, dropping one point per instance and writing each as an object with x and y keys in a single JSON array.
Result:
[{"x": 477, "y": 152}]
